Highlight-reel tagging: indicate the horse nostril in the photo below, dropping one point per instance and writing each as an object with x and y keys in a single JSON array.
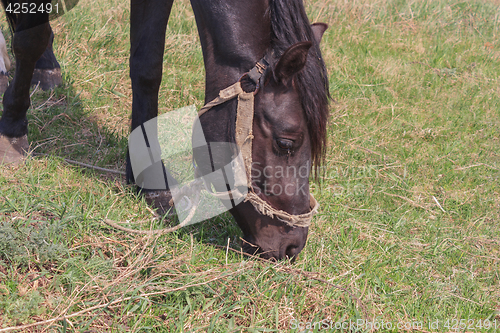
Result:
[{"x": 250, "y": 248}]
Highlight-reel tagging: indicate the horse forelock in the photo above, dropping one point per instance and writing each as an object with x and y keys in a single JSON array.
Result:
[{"x": 290, "y": 25}]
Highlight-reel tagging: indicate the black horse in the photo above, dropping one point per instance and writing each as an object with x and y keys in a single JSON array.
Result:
[{"x": 290, "y": 107}]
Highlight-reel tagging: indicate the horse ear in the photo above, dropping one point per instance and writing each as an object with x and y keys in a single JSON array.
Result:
[
  {"x": 318, "y": 30},
  {"x": 291, "y": 62}
]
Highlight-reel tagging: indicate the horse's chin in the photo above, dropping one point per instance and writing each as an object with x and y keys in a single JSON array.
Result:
[{"x": 266, "y": 237}]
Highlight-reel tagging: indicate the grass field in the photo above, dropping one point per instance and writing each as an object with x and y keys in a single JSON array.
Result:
[{"x": 408, "y": 231}]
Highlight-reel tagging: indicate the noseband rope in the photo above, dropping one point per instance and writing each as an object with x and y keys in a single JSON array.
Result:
[{"x": 244, "y": 137}]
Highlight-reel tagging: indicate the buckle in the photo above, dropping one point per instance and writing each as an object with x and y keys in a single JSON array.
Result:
[{"x": 255, "y": 74}]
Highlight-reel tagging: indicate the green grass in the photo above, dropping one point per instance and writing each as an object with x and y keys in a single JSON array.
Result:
[{"x": 410, "y": 195}]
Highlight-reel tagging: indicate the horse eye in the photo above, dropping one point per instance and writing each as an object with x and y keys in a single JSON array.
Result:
[{"x": 284, "y": 144}]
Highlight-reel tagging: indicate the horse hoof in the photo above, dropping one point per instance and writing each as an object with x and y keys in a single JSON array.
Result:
[
  {"x": 13, "y": 150},
  {"x": 160, "y": 200},
  {"x": 46, "y": 79},
  {"x": 4, "y": 82}
]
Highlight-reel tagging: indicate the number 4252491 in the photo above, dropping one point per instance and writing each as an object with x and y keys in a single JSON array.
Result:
[
  {"x": 471, "y": 324},
  {"x": 32, "y": 8}
]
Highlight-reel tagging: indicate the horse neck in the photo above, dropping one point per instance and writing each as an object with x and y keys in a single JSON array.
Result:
[{"x": 234, "y": 35}]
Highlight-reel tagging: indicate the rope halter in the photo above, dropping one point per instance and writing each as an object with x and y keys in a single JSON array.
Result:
[{"x": 244, "y": 138}]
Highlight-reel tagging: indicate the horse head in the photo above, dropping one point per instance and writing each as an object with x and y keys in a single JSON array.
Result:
[{"x": 275, "y": 216}]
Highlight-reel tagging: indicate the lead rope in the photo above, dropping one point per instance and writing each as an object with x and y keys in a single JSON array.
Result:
[{"x": 194, "y": 187}]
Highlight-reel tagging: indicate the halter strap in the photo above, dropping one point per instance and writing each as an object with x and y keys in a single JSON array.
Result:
[
  {"x": 244, "y": 138},
  {"x": 224, "y": 95}
]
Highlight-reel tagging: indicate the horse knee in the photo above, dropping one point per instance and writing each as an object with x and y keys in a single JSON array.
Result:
[
  {"x": 145, "y": 73},
  {"x": 145, "y": 81}
]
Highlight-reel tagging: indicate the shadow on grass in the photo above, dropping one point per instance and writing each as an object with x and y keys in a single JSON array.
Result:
[{"x": 60, "y": 126}]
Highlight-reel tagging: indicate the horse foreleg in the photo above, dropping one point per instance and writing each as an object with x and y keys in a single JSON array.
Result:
[
  {"x": 30, "y": 40},
  {"x": 47, "y": 74},
  {"x": 148, "y": 23}
]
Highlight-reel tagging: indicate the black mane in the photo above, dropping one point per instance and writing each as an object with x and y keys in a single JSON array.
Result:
[{"x": 290, "y": 25}]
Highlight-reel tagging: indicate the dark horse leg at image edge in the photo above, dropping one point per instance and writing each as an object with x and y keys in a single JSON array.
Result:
[{"x": 31, "y": 37}]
